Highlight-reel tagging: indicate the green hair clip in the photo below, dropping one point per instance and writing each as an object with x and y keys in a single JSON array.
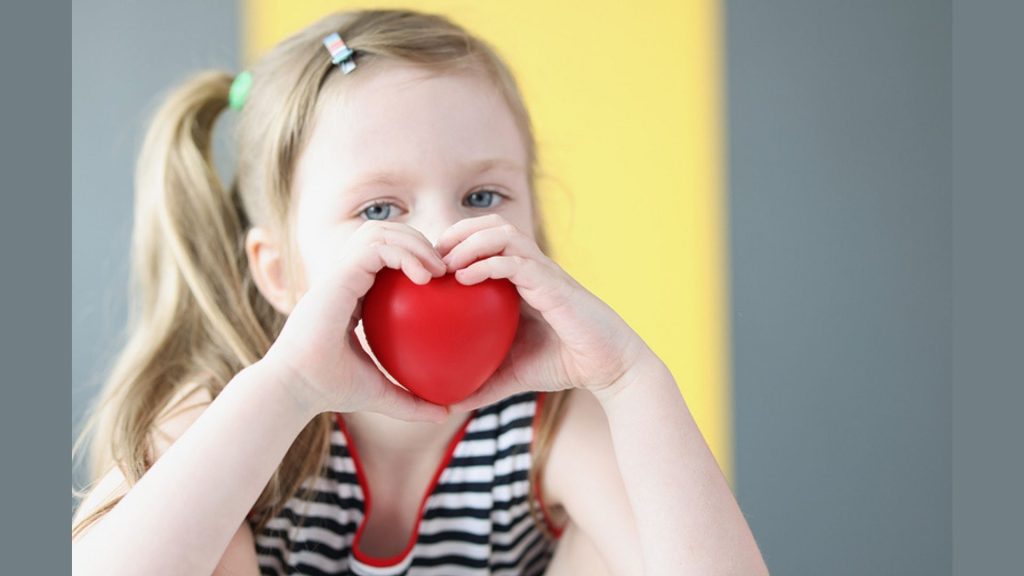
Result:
[{"x": 240, "y": 90}]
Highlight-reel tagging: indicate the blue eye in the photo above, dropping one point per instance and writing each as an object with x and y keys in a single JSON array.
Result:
[
  {"x": 478, "y": 199},
  {"x": 379, "y": 211},
  {"x": 483, "y": 199}
]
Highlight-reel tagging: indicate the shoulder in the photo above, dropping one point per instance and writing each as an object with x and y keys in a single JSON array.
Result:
[
  {"x": 581, "y": 445},
  {"x": 583, "y": 454},
  {"x": 171, "y": 422},
  {"x": 183, "y": 409}
]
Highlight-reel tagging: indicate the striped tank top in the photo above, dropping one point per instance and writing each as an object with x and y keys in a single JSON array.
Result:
[{"x": 474, "y": 518}]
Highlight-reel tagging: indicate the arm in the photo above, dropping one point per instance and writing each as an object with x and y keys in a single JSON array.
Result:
[
  {"x": 601, "y": 536},
  {"x": 185, "y": 511},
  {"x": 687, "y": 520},
  {"x": 239, "y": 558}
]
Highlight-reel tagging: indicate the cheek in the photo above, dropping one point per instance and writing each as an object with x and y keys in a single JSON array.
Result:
[
  {"x": 307, "y": 254},
  {"x": 319, "y": 250},
  {"x": 314, "y": 231},
  {"x": 523, "y": 219}
]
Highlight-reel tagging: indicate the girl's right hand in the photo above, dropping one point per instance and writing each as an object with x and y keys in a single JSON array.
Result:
[{"x": 318, "y": 344}]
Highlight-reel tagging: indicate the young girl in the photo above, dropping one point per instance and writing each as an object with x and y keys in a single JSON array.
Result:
[{"x": 246, "y": 429}]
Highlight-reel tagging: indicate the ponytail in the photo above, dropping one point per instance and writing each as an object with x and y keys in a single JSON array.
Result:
[
  {"x": 189, "y": 236},
  {"x": 197, "y": 318}
]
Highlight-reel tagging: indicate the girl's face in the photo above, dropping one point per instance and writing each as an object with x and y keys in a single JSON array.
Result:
[{"x": 403, "y": 145}]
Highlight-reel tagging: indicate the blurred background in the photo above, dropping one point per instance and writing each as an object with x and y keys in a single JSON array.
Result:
[{"x": 760, "y": 188}]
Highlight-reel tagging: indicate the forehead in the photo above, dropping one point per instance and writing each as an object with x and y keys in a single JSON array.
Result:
[{"x": 401, "y": 117}]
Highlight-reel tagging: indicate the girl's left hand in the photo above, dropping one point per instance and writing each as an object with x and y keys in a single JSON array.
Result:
[{"x": 567, "y": 337}]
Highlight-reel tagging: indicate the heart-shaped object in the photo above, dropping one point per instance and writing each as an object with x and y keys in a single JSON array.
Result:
[{"x": 441, "y": 340}]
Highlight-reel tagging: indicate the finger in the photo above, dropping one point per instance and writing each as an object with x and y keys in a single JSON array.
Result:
[
  {"x": 355, "y": 279},
  {"x": 542, "y": 289},
  {"x": 412, "y": 240},
  {"x": 498, "y": 387},
  {"x": 463, "y": 228},
  {"x": 483, "y": 397},
  {"x": 515, "y": 268},
  {"x": 397, "y": 403},
  {"x": 364, "y": 256},
  {"x": 401, "y": 259},
  {"x": 504, "y": 239}
]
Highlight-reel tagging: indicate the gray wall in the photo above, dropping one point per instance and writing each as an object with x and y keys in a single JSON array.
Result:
[
  {"x": 988, "y": 282},
  {"x": 839, "y": 152},
  {"x": 125, "y": 55}
]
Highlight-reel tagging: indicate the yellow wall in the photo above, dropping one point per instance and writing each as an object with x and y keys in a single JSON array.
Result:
[{"x": 625, "y": 98}]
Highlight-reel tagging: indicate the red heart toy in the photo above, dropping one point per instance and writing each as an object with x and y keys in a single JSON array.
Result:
[{"x": 441, "y": 340}]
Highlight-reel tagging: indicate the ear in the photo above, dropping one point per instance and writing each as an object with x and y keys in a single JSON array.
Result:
[{"x": 267, "y": 266}]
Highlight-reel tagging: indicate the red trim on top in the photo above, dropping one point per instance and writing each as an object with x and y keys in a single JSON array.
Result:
[
  {"x": 376, "y": 561},
  {"x": 557, "y": 531}
]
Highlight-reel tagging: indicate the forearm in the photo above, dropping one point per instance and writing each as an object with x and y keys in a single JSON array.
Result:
[
  {"x": 180, "y": 516},
  {"x": 685, "y": 513}
]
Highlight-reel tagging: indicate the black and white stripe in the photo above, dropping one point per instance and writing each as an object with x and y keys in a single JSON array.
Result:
[{"x": 476, "y": 520}]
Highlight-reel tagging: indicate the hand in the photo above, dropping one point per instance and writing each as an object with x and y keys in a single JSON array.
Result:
[
  {"x": 567, "y": 337},
  {"x": 318, "y": 343}
]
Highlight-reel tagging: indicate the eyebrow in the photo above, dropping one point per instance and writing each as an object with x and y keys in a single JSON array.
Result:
[{"x": 396, "y": 178}]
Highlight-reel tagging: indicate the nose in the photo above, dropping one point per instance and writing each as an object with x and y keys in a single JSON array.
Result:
[
  {"x": 433, "y": 221},
  {"x": 431, "y": 231}
]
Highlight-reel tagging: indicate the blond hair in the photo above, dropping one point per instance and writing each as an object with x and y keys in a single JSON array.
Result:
[{"x": 197, "y": 318}]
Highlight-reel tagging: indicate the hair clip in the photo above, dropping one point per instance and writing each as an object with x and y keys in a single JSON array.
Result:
[
  {"x": 340, "y": 53},
  {"x": 240, "y": 90}
]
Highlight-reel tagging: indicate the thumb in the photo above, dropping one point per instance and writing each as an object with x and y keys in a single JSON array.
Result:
[
  {"x": 390, "y": 400},
  {"x": 499, "y": 386}
]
